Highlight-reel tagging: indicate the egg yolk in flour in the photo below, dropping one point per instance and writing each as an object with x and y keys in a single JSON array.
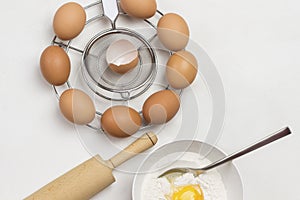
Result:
[{"x": 190, "y": 192}]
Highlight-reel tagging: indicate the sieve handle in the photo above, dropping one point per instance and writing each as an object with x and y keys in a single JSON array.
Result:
[
  {"x": 143, "y": 143},
  {"x": 111, "y": 10}
]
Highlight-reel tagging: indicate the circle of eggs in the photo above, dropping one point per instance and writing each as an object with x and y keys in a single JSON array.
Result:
[{"x": 121, "y": 56}]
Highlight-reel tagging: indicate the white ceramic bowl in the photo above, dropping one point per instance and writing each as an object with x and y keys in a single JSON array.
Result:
[{"x": 167, "y": 154}]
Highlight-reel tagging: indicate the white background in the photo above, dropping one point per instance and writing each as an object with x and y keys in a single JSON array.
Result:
[{"x": 255, "y": 46}]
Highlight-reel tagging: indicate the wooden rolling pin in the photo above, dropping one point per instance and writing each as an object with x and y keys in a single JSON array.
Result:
[{"x": 92, "y": 176}]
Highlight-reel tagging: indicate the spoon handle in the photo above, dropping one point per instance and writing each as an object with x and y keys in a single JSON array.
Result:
[{"x": 275, "y": 136}]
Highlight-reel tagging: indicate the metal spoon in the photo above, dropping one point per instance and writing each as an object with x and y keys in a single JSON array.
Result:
[{"x": 196, "y": 172}]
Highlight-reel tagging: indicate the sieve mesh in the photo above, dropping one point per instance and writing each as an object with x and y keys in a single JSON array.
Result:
[{"x": 100, "y": 77}]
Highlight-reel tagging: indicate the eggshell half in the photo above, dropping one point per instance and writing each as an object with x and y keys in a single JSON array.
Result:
[
  {"x": 77, "y": 106},
  {"x": 161, "y": 107},
  {"x": 122, "y": 56},
  {"x": 182, "y": 68},
  {"x": 121, "y": 121}
]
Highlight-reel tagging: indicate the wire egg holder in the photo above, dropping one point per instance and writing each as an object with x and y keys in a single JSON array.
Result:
[{"x": 99, "y": 78}]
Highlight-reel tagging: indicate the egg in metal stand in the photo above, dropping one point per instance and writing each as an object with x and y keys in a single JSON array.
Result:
[
  {"x": 173, "y": 31},
  {"x": 69, "y": 21},
  {"x": 182, "y": 68},
  {"x": 140, "y": 9},
  {"x": 161, "y": 107},
  {"x": 55, "y": 65},
  {"x": 77, "y": 107},
  {"x": 121, "y": 121}
]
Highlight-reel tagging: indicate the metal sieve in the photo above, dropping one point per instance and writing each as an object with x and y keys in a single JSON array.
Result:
[
  {"x": 100, "y": 78},
  {"x": 108, "y": 84}
]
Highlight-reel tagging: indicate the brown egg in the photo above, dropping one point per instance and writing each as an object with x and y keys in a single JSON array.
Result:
[
  {"x": 69, "y": 21},
  {"x": 161, "y": 107},
  {"x": 182, "y": 68},
  {"x": 55, "y": 65},
  {"x": 139, "y": 8},
  {"x": 173, "y": 32},
  {"x": 77, "y": 106},
  {"x": 121, "y": 121}
]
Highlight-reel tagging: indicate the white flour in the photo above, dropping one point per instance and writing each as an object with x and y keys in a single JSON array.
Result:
[{"x": 210, "y": 182}]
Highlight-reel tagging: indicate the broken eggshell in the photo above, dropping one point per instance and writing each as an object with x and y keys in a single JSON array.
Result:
[{"x": 122, "y": 56}]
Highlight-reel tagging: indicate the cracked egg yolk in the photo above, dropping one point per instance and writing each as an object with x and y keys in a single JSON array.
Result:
[{"x": 190, "y": 192}]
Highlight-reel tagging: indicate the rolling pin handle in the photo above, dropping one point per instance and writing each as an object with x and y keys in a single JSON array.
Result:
[{"x": 140, "y": 145}]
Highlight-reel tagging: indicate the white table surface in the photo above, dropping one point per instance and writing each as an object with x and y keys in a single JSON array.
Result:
[{"x": 255, "y": 46}]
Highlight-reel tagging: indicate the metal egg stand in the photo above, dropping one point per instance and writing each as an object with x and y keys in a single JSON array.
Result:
[{"x": 98, "y": 79}]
